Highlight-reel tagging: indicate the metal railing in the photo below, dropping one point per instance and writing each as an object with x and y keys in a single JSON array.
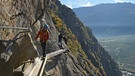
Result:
[{"x": 18, "y": 28}]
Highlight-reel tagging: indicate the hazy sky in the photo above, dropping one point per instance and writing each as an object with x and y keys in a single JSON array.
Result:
[{"x": 80, "y": 3}]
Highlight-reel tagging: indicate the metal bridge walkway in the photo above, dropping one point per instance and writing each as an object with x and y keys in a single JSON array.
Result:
[{"x": 37, "y": 67}]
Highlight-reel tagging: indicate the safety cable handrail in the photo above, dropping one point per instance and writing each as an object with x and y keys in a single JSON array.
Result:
[
  {"x": 14, "y": 16},
  {"x": 40, "y": 16},
  {"x": 17, "y": 28}
]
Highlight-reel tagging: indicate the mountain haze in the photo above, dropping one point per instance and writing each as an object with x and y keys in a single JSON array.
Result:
[
  {"x": 109, "y": 19},
  {"x": 113, "y": 25}
]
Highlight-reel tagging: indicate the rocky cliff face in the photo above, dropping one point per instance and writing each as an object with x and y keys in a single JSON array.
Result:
[
  {"x": 86, "y": 56},
  {"x": 95, "y": 52}
]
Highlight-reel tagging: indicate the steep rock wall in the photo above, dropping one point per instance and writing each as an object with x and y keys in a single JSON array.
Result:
[
  {"x": 95, "y": 52},
  {"x": 25, "y": 13}
]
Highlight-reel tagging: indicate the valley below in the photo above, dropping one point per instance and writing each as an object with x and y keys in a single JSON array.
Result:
[
  {"x": 113, "y": 26},
  {"x": 122, "y": 50}
]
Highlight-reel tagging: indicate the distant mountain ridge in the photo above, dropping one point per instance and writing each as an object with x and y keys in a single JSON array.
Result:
[
  {"x": 114, "y": 25},
  {"x": 109, "y": 18}
]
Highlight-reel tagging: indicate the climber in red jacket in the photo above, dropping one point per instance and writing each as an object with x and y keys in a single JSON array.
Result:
[{"x": 43, "y": 34}]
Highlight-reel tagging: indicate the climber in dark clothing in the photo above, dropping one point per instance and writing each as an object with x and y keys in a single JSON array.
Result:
[
  {"x": 65, "y": 39},
  {"x": 60, "y": 40}
]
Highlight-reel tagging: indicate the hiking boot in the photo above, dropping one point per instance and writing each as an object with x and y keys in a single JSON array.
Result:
[
  {"x": 44, "y": 55},
  {"x": 32, "y": 60},
  {"x": 43, "y": 58}
]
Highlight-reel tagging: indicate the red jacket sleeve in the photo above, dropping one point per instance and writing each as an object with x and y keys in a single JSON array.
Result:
[{"x": 38, "y": 34}]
